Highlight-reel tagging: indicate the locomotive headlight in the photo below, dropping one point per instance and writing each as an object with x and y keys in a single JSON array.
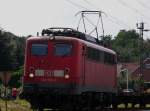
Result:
[
  {"x": 67, "y": 71},
  {"x": 51, "y": 38},
  {"x": 31, "y": 75},
  {"x": 67, "y": 76}
]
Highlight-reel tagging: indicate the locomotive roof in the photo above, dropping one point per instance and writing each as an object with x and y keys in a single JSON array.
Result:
[
  {"x": 60, "y": 31},
  {"x": 69, "y": 33},
  {"x": 46, "y": 38}
]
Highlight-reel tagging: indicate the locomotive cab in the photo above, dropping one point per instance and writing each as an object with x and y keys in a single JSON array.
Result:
[{"x": 51, "y": 65}]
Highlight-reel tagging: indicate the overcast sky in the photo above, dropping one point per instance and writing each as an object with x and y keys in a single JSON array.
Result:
[{"x": 26, "y": 17}]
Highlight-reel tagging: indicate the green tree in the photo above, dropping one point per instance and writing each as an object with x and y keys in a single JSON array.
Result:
[
  {"x": 126, "y": 45},
  {"x": 7, "y": 57},
  {"x": 106, "y": 41},
  {"x": 12, "y": 55},
  {"x": 16, "y": 79}
]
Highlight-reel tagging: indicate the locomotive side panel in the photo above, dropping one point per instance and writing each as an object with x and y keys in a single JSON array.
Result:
[{"x": 100, "y": 74}]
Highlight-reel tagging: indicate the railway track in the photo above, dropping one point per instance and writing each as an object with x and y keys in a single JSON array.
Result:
[
  {"x": 123, "y": 103},
  {"x": 99, "y": 109},
  {"x": 107, "y": 109}
]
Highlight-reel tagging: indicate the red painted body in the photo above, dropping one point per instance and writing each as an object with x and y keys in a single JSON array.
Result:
[{"x": 84, "y": 74}]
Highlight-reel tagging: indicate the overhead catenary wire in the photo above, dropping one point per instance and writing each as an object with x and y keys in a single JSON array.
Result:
[
  {"x": 115, "y": 20},
  {"x": 132, "y": 8},
  {"x": 89, "y": 3},
  {"x": 111, "y": 18},
  {"x": 77, "y": 5},
  {"x": 83, "y": 17},
  {"x": 143, "y": 4}
]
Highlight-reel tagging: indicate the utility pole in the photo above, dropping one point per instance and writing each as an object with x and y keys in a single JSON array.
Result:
[{"x": 140, "y": 26}]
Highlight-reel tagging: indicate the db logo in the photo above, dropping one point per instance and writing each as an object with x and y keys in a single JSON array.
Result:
[{"x": 49, "y": 73}]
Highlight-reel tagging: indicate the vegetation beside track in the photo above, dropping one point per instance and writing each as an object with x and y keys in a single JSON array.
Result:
[
  {"x": 23, "y": 105},
  {"x": 15, "y": 105}
]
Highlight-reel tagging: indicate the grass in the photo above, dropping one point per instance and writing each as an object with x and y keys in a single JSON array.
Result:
[
  {"x": 23, "y": 105},
  {"x": 15, "y": 105},
  {"x": 122, "y": 106}
]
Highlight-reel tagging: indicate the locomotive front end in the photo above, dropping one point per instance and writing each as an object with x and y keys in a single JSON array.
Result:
[
  {"x": 49, "y": 66},
  {"x": 50, "y": 69}
]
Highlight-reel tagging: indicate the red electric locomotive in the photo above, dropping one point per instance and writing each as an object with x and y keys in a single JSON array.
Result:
[{"x": 65, "y": 66}]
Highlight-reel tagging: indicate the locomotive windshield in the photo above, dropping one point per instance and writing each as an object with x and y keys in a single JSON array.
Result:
[
  {"x": 63, "y": 49},
  {"x": 39, "y": 49}
]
